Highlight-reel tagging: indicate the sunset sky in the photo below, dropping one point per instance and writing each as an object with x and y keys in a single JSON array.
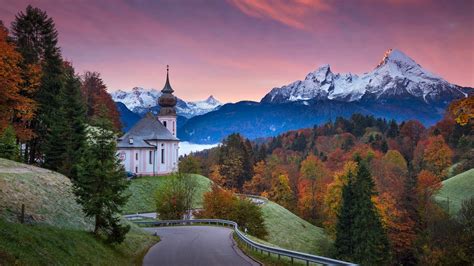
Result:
[{"x": 240, "y": 49}]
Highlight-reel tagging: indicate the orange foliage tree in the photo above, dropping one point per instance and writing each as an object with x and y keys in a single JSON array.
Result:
[
  {"x": 390, "y": 173},
  {"x": 15, "y": 107},
  {"x": 218, "y": 203},
  {"x": 463, "y": 110},
  {"x": 428, "y": 184},
  {"x": 400, "y": 227},
  {"x": 99, "y": 102},
  {"x": 433, "y": 155},
  {"x": 411, "y": 133},
  {"x": 216, "y": 176},
  {"x": 260, "y": 182},
  {"x": 281, "y": 191},
  {"x": 313, "y": 173}
]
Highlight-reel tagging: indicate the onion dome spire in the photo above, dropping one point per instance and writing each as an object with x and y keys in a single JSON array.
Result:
[
  {"x": 167, "y": 100},
  {"x": 167, "y": 88}
]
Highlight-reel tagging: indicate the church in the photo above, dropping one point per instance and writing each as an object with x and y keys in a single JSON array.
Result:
[{"x": 151, "y": 147}]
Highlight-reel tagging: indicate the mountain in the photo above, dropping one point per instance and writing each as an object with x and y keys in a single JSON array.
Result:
[
  {"x": 129, "y": 118},
  {"x": 397, "y": 76},
  {"x": 140, "y": 100},
  {"x": 397, "y": 88}
]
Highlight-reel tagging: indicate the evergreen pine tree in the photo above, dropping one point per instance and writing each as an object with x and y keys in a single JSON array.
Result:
[
  {"x": 36, "y": 39},
  {"x": 344, "y": 243},
  {"x": 8, "y": 146},
  {"x": 360, "y": 236},
  {"x": 65, "y": 141},
  {"x": 372, "y": 247},
  {"x": 101, "y": 182},
  {"x": 393, "y": 129},
  {"x": 236, "y": 161},
  {"x": 300, "y": 143}
]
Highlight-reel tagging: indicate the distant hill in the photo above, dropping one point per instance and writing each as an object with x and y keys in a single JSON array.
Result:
[
  {"x": 256, "y": 120},
  {"x": 455, "y": 190}
]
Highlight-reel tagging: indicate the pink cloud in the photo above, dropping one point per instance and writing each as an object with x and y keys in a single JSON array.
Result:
[{"x": 290, "y": 13}]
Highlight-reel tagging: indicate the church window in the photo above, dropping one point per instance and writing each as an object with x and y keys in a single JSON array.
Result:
[
  {"x": 162, "y": 155},
  {"x": 164, "y": 123},
  {"x": 150, "y": 159},
  {"x": 136, "y": 156},
  {"x": 136, "y": 169}
]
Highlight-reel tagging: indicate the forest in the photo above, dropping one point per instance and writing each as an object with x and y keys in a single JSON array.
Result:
[{"x": 370, "y": 183}]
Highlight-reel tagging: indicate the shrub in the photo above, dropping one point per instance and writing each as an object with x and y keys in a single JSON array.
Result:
[
  {"x": 175, "y": 197},
  {"x": 189, "y": 164},
  {"x": 221, "y": 203}
]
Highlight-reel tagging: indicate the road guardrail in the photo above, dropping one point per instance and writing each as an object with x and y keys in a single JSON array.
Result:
[{"x": 293, "y": 255}]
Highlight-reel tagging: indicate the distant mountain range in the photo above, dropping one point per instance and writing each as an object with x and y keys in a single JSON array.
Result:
[
  {"x": 140, "y": 100},
  {"x": 397, "y": 76},
  {"x": 397, "y": 88}
]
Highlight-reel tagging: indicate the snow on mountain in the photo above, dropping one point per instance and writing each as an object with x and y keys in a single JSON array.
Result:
[
  {"x": 204, "y": 106},
  {"x": 139, "y": 100},
  {"x": 396, "y": 76}
]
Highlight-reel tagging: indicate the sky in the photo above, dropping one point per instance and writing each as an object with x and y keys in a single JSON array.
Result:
[{"x": 240, "y": 49}]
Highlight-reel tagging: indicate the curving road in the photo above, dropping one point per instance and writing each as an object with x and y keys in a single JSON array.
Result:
[{"x": 195, "y": 245}]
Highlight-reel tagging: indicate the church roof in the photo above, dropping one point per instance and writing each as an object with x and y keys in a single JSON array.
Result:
[{"x": 148, "y": 128}]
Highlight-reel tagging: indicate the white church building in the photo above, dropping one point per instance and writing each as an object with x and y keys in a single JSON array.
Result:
[{"x": 151, "y": 147}]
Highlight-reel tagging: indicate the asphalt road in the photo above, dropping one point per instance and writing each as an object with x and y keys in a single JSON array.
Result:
[{"x": 195, "y": 245}]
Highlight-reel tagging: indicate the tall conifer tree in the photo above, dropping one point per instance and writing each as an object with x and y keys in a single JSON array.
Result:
[
  {"x": 65, "y": 141},
  {"x": 36, "y": 38},
  {"x": 360, "y": 236},
  {"x": 100, "y": 182},
  {"x": 344, "y": 243}
]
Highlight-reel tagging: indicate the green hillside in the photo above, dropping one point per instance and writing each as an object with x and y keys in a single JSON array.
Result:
[
  {"x": 455, "y": 190},
  {"x": 56, "y": 231},
  {"x": 289, "y": 231},
  {"x": 143, "y": 189},
  {"x": 48, "y": 245},
  {"x": 47, "y": 196},
  {"x": 285, "y": 229}
]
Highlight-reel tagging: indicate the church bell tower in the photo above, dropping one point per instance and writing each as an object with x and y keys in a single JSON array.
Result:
[{"x": 167, "y": 102}]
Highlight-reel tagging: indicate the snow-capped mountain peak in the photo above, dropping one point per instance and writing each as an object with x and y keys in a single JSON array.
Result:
[
  {"x": 140, "y": 100},
  {"x": 321, "y": 74},
  {"x": 396, "y": 76},
  {"x": 212, "y": 101},
  {"x": 209, "y": 104},
  {"x": 393, "y": 56}
]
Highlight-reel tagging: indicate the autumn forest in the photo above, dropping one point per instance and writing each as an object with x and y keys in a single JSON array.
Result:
[{"x": 369, "y": 182}]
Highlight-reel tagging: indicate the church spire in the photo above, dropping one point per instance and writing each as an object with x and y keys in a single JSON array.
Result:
[
  {"x": 167, "y": 100},
  {"x": 167, "y": 88}
]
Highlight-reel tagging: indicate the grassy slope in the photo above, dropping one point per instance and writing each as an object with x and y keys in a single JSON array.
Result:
[
  {"x": 143, "y": 190},
  {"x": 47, "y": 196},
  {"x": 289, "y": 231},
  {"x": 285, "y": 229},
  {"x": 457, "y": 188},
  {"x": 58, "y": 234},
  {"x": 49, "y": 245}
]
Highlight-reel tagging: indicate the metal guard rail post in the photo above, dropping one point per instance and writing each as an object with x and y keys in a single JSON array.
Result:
[{"x": 273, "y": 250}]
